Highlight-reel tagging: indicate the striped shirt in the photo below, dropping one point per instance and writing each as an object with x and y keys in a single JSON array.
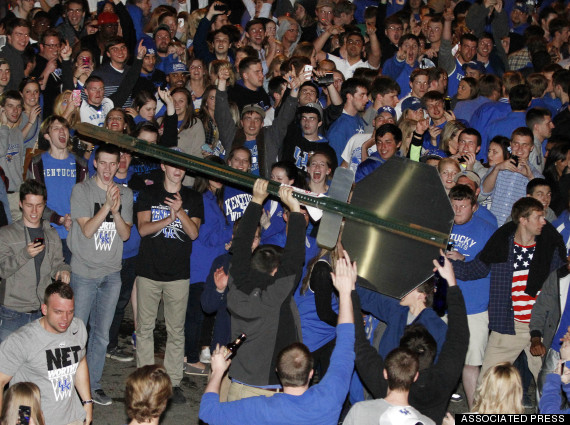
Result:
[{"x": 522, "y": 302}]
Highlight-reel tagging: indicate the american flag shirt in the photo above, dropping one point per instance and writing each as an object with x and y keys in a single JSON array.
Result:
[{"x": 522, "y": 302}]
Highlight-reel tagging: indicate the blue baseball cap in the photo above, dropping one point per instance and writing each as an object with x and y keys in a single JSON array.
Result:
[
  {"x": 476, "y": 65},
  {"x": 414, "y": 103},
  {"x": 175, "y": 66},
  {"x": 389, "y": 109},
  {"x": 149, "y": 44}
]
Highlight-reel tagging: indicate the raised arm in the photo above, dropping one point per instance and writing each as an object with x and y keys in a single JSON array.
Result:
[{"x": 222, "y": 114}]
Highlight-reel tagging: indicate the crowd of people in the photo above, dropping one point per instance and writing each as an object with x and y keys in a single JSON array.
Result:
[{"x": 287, "y": 91}]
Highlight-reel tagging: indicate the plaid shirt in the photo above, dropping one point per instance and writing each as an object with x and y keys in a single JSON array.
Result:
[
  {"x": 501, "y": 314},
  {"x": 519, "y": 59}
]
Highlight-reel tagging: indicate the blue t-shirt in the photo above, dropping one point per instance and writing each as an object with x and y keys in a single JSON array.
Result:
[
  {"x": 469, "y": 239},
  {"x": 252, "y": 146},
  {"x": 343, "y": 129},
  {"x": 454, "y": 78},
  {"x": 235, "y": 202},
  {"x": 60, "y": 175}
]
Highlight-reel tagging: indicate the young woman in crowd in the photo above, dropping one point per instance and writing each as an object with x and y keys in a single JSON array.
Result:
[
  {"x": 319, "y": 167},
  {"x": 146, "y": 394},
  {"x": 198, "y": 82},
  {"x": 447, "y": 169},
  {"x": 31, "y": 118},
  {"x": 18, "y": 395},
  {"x": 144, "y": 107}
]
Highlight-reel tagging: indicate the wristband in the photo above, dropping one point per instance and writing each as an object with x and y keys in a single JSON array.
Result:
[{"x": 84, "y": 402}]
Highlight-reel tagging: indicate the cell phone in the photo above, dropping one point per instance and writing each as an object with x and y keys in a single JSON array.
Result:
[
  {"x": 181, "y": 22},
  {"x": 447, "y": 101},
  {"x": 24, "y": 413},
  {"x": 39, "y": 240},
  {"x": 220, "y": 7},
  {"x": 308, "y": 69},
  {"x": 515, "y": 159},
  {"x": 462, "y": 159},
  {"x": 76, "y": 97},
  {"x": 327, "y": 80},
  {"x": 207, "y": 148},
  {"x": 86, "y": 61}
]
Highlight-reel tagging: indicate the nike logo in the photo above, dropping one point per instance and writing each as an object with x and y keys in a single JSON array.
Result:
[{"x": 74, "y": 332}]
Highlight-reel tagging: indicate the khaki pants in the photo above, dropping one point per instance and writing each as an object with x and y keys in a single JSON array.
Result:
[
  {"x": 238, "y": 391},
  {"x": 175, "y": 297},
  {"x": 506, "y": 348}
]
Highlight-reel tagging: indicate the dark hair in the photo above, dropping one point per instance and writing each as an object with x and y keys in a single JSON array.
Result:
[
  {"x": 266, "y": 258},
  {"x": 294, "y": 365},
  {"x": 252, "y": 22},
  {"x": 468, "y": 37},
  {"x": 147, "y": 126},
  {"x": 50, "y": 32},
  {"x": 524, "y": 207},
  {"x": 246, "y": 62},
  {"x": 275, "y": 85},
  {"x": 189, "y": 119},
  {"x": 401, "y": 366},
  {"x": 473, "y": 86},
  {"x": 432, "y": 95},
  {"x": 433, "y": 73},
  {"x": 534, "y": 183},
  {"x": 504, "y": 143},
  {"x": 520, "y": 97},
  {"x": 26, "y": 81},
  {"x": 407, "y": 37},
  {"x": 11, "y": 94},
  {"x": 561, "y": 78},
  {"x": 141, "y": 98},
  {"x": 202, "y": 184},
  {"x": 291, "y": 171},
  {"x": 107, "y": 148},
  {"x": 557, "y": 25},
  {"x": 58, "y": 287},
  {"x": 524, "y": 132},
  {"x": 383, "y": 85},
  {"x": 536, "y": 116},
  {"x": 113, "y": 41},
  {"x": 488, "y": 84},
  {"x": 461, "y": 192},
  {"x": 16, "y": 22},
  {"x": 46, "y": 124},
  {"x": 32, "y": 187},
  {"x": 512, "y": 79},
  {"x": 393, "y": 129},
  {"x": 350, "y": 86},
  {"x": 418, "y": 340},
  {"x": 470, "y": 131},
  {"x": 238, "y": 148}
]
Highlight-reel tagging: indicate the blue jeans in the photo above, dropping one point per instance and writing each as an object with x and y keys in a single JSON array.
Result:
[
  {"x": 11, "y": 321},
  {"x": 128, "y": 277},
  {"x": 95, "y": 302}
]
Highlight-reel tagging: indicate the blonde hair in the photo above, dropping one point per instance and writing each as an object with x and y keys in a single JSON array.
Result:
[
  {"x": 215, "y": 67},
  {"x": 147, "y": 392},
  {"x": 448, "y": 161},
  {"x": 407, "y": 126},
  {"x": 22, "y": 394},
  {"x": 500, "y": 391},
  {"x": 59, "y": 109},
  {"x": 193, "y": 21},
  {"x": 450, "y": 129}
]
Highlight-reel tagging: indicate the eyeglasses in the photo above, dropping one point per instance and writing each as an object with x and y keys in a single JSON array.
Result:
[
  {"x": 311, "y": 119},
  {"x": 393, "y": 28},
  {"x": 163, "y": 37},
  {"x": 21, "y": 34},
  {"x": 117, "y": 48},
  {"x": 196, "y": 67},
  {"x": 52, "y": 46},
  {"x": 355, "y": 42},
  {"x": 74, "y": 11}
]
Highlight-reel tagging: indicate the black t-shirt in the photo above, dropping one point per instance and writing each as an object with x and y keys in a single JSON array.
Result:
[{"x": 165, "y": 256}]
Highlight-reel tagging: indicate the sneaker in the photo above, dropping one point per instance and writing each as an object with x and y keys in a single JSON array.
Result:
[
  {"x": 177, "y": 396},
  {"x": 193, "y": 370},
  {"x": 134, "y": 340},
  {"x": 119, "y": 355},
  {"x": 101, "y": 398},
  {"x": 456, "y": 397},
  {"x": 205, "y": 356}
]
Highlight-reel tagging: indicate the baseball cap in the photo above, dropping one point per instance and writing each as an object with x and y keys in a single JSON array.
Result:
[
  {"x": 107, "y": 18},
  {"x": 399, "y": 415},
  {"x": 149, "y": 44},
  {"x": 522, "y": 6},
  {"x": 471, "y": 175},
  {"x": 175, "y": 66},
  {"x": 389, "y": 109},
  {"x": 254, "y": 107},
  {"x": 414, "y": 103},
  {"x": 313, "y": 108},
  {"x": 476, "y": 65},
  {"x": 161, "y": 27},
  {"x": 324, "y": 3},
  {"x": 430, "y": 156}
]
